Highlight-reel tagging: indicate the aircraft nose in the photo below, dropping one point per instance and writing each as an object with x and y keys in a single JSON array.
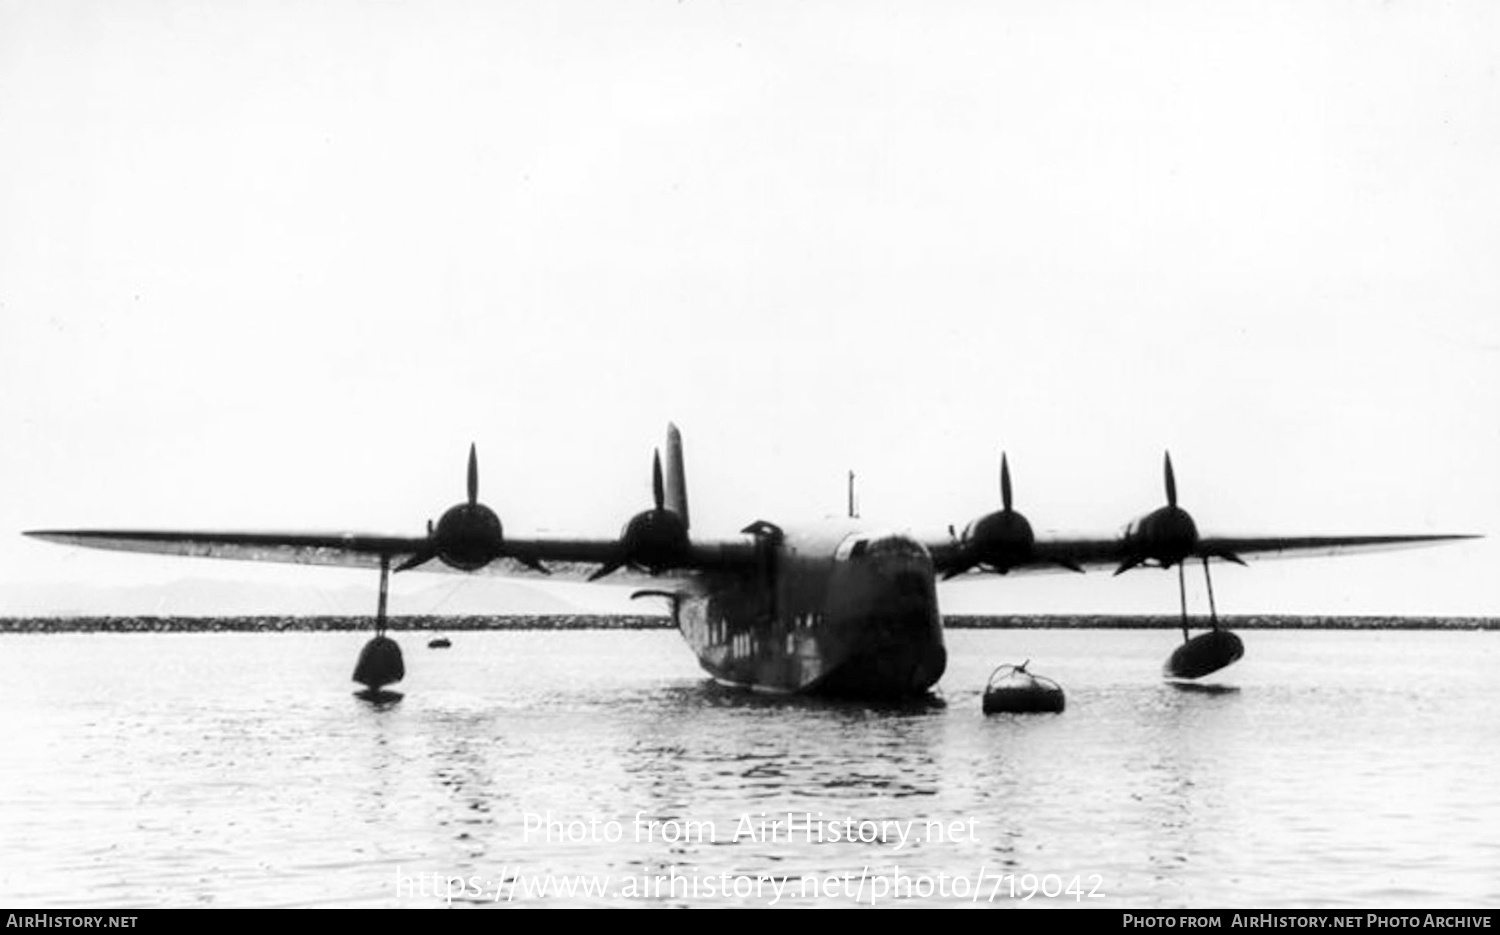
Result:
[
  {"x": 906, "y": 565},
  {"x": 897, "y": 548}
]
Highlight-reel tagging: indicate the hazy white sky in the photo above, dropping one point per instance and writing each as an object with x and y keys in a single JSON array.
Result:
[{"x": 276, "y": 265}]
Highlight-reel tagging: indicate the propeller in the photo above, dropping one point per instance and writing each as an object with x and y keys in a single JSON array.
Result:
[
  {"x": 1166, "y": 536},
  {"x": 468, "y": 536},
  {"x": 997, "y": 541},
  {"x": 654, "y": 539}
]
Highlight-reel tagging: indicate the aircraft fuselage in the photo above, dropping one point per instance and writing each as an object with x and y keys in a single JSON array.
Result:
[{"x": 840, "y": 611}]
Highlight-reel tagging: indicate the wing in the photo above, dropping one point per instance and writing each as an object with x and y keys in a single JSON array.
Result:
[
  {"x": 655, "y": 545},
  {"x": 1054, "y": 553},
  {"x": 568, "y": 558},
  {"x": 1002, "y": 541}
]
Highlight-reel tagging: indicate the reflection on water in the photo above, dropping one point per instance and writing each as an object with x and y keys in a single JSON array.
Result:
[
  {"x": 1203, "y": 688},
  {"x": 379, "y": 698},
  {"x": 236, "y": 769}
]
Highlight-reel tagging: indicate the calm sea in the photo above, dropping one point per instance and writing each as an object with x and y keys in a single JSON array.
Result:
[{"x": 601, "y": 768}]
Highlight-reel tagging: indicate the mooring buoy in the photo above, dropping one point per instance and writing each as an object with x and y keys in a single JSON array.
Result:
[{"x": 1013, "y": 690}]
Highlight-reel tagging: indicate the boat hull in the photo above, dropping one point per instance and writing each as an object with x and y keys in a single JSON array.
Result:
[{"x": 864, "y": 629}]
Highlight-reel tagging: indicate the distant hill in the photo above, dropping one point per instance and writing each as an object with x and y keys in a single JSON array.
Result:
[
  {"x": 406, "y": 624},
  {"x": 209, "y": 597}
]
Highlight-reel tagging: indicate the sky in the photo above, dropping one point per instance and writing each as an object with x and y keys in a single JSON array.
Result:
[{"x": 276, "y": 266}]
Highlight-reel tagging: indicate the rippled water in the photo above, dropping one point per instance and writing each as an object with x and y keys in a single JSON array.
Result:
[{"x": 1326, "y": 769}]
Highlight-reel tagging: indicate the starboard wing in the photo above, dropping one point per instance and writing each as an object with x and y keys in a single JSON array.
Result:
[
  {"x": 569, "y": 558},
  {"x": 655, "y": 545}
]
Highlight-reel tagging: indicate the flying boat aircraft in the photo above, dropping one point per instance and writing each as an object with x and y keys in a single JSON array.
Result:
[{"x": 838, "y": 608}]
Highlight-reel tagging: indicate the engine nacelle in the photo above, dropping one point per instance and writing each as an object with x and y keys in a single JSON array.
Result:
[
  {"x": 1166, "y": 536},
  {"x": 654, "y": 539},
  {"x": 1000, "y": 541},
  {"x": 468, "y": 537}
]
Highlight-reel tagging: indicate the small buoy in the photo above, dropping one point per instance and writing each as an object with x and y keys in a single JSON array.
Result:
[
  {"x": 439, "y": 642},
  {"x": 1203, "y": 654},
  {"x": 1011, "y": 689},
  {"x": 379, "y": 664}
]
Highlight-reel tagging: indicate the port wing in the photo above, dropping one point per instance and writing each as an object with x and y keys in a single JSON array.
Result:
[{"x": 1055, "y": 553}]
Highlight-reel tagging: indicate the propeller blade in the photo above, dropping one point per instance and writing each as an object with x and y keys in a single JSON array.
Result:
[
  {"x": 421, "y": 558},
  {"x": 1227, "y": 556},
  {"x": 960, "y": 570},
  {"x": 1171, "y": 482},
  {"x": 608, "y": 569},
  {"x": 1004, "y": 482},
  {"x": 473, "y": 475},
  {"x": 658, "y": 491}
]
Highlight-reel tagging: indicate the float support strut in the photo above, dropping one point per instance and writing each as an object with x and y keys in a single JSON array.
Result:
[
  {"x": 1182, "y": 596},
  {"x": 385, "y": 582},
  {"x": 1213, "y": 612}
]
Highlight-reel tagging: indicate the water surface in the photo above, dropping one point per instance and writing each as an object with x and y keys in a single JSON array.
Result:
[{"x": 237, "y": 769}]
